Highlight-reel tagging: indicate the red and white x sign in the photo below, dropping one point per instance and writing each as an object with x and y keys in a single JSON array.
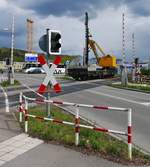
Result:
[{"x": 49, "y": 74}]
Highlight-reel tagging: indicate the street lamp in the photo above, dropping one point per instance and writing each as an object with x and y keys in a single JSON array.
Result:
[{"x": 12, "y": 50}]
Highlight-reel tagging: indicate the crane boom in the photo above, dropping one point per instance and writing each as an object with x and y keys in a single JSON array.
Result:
[
  {"x": 105, "y": 60},
  {"x": 92, "y": 46}
]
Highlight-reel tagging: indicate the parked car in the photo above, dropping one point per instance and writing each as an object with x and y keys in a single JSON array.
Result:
[
  {"x": 60, "y": 69},
  {"x": 34, "y": 70}
]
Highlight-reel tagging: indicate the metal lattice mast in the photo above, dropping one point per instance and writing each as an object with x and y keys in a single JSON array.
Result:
[
  {"x": 133, "y": 47},
  {"x": 123, "y": 39},
  {"x": 124, "y": 78},
  {"x": 29, "y": 35}
]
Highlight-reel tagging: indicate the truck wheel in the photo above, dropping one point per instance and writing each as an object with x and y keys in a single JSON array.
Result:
[
  {"x": 83, "y": 78},
  {"x": 101, "y": 76},
  {"x": 76, "y": 78}
]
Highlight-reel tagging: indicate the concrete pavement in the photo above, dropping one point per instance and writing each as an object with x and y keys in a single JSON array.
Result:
[
  {"x": 9, "y": 127},
  {"x": 48, "y": 155}
]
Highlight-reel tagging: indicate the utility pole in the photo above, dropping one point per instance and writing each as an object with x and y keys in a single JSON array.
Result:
[
  {"x": 124, "y": 78},
  {"x": 12, "y": 51}
]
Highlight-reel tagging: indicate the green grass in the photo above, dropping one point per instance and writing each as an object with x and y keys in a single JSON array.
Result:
[
  {"x": 65, "y": 77},
  {"x": 6, "y": 83},
  {"x": 90, "y": 141},
  {"x": 141, "y": 87}
]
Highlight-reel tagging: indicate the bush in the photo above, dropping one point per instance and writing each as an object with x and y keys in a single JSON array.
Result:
[
  {"x": 145, "y": 72},
  {"x": 6, "y": 83}
]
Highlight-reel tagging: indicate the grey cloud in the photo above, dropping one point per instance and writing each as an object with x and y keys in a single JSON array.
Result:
[
  {"x": 66, "y": 7},
  {"x": 139, "y": 7},
  {"x": 71, "y": 8},
  {"x": 20, "y": 29},
  {"x": 78, "y": 7}
]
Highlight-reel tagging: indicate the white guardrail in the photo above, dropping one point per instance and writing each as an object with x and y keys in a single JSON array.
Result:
[{"x": 23, "y": 110}]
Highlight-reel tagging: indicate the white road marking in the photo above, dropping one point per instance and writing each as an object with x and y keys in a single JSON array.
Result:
[
  {"x": 6, "y": 99},
  {"x": 16, "y": 146},
  {"x": 117, "y": 97},
  {"x": 146, "y": 103}
]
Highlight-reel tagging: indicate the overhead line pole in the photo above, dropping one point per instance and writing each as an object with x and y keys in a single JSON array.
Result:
[
  {"x": 124, "y": 78},
  {"x": 85, "y": 59}
]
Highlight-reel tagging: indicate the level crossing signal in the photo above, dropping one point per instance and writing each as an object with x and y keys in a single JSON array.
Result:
[
  {"x": 7, "y": 61},
  {"x": 54, "y": 42}
]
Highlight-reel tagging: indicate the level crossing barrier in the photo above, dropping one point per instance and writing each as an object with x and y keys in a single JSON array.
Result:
[{"x": 23, "y": 110}]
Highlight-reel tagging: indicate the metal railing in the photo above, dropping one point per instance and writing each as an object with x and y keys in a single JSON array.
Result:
[{"x": 23, "y": 110}]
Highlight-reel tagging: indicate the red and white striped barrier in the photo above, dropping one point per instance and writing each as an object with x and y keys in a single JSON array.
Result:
[
  {"x": 77, "y": 124},
  {"x": 49, "y": 76},
  {"x": 75, "y": 104}
]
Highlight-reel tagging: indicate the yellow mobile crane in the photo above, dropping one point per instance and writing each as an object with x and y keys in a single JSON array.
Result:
[
  {"x": 106, "y": 61},
  {"x": 85, "y": 71}
]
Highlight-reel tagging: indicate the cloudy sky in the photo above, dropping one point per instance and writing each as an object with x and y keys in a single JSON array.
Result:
[{"x": 68, "y": 16}]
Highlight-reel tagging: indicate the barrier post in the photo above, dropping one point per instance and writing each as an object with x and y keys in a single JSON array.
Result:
[
  {"x": 20, "y": 107},
  {"x": 130, "y": 134},
  {"x": 26, "y": 116},
  {"x": 77, "y": 129}
]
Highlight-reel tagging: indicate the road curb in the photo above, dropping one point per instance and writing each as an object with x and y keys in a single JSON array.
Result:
[{"x": 136, "y": 90}]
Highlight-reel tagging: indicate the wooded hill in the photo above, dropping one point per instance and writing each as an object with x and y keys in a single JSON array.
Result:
[{"x": 19, "y": 55}]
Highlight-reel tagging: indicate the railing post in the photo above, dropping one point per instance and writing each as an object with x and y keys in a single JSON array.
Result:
[
  {"x": 77, "y": 129},
  {"x": 20, "y": 107},
  {"x": 26, "y": 116},
  {"x": 130, "y": 134}
]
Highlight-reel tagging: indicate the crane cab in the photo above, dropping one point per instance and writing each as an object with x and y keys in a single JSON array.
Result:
[{"x": 108, "y": 61}]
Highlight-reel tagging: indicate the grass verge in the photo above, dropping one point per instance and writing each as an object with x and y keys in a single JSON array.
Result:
[
  {"x": 91, "y": 142},
  {"x": 65, "y": 77},
  {"x": 136, "y": 87},
  {"x": 6, "y": 83}
]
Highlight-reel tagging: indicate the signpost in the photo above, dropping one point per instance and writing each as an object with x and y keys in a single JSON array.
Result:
[
  {"x": 43, "y": 43},
  {"x": 49, "y": 74},
  {"x": 51, "y": 44},
  {"x": 30, "y": 57}
]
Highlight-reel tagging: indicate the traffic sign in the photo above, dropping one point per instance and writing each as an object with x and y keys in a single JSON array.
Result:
[
  {"x": 31, "y": 57},
  {"x": 49, "y": 74},
  {"x": 43, "y": 43}
]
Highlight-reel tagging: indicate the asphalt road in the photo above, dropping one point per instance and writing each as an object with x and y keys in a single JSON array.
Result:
[{"x": 95, "y": 92}]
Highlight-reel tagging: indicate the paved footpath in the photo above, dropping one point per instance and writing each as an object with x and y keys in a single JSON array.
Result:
[
  {"x": 9, "y": 127},
  {"x": 48, "y": 155}
]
